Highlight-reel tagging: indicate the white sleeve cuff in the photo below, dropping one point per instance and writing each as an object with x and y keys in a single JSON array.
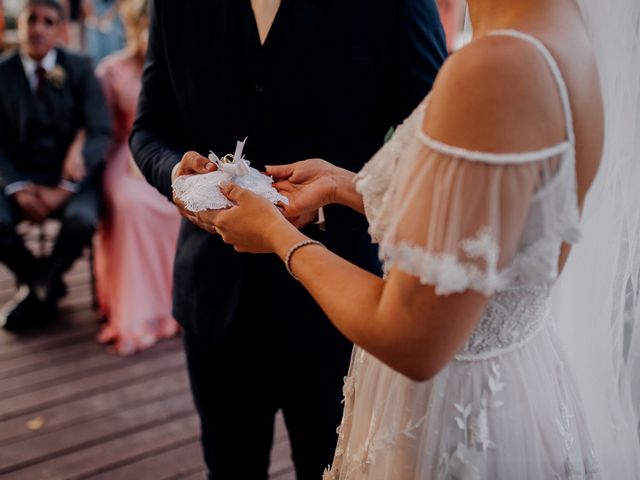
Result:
[
  {"x": 321, "y": 221},
  {"x": 68, "y": 186},
  {"x": 16, "y": 187}
]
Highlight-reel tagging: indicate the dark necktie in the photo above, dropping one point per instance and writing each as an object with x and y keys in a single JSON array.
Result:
[{"x": 41, "y": 75}]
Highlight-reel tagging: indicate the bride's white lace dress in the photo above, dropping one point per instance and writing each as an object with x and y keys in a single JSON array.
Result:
[{"x": 506, "y": 406}]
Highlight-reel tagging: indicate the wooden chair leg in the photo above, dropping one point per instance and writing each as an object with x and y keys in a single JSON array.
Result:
[
  {"x": 92, "y": 275},
  {"x": 42, "y": 239}
]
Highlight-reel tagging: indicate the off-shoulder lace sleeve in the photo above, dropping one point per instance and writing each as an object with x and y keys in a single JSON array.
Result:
[{"x": 460, "y": 221}]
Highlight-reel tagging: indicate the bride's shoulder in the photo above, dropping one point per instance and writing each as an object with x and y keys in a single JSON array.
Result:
[{"x": 497, "y": 94}]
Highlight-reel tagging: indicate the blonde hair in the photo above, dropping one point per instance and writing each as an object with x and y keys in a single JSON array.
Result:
[{"x": 135, "y": 16}]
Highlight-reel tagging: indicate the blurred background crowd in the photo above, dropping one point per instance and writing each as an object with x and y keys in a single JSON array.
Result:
[
  {"x": 93, "y": 26},
  {"x": 80, "y": 172}
]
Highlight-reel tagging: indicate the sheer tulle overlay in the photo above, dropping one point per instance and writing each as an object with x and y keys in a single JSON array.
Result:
[
  {"x": 514, "y": 416},
  {"x": 597, "y": 298},
  {"x": 458, "y": 220}
]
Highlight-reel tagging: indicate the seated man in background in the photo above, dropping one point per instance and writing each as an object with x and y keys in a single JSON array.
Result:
[{"x": 48, "y": 96}]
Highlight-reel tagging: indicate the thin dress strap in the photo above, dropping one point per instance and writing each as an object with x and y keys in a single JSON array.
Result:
[
  {"x": 555, "y": 70},
  {"x": 567, "y": 145}
]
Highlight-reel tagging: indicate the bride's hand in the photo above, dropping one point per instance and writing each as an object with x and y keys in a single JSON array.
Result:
[
  {"x": 252, "y": 225},
  {"x": 308, "y": 184}
]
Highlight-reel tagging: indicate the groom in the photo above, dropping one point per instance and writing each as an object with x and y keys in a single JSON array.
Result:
[{"x": 300, "y": 79}]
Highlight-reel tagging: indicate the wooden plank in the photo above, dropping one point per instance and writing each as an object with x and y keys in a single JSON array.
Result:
[
  {"x": 288, "y": 473},
  {"x": 76, "y": 310},
  {"x": 72, "y": 316},
  {"x": 96, "y": 431},
  {"x": 279, "y": 427},
  {"x": 52, "y": 338},
  {"x": 59, "y": 354},
  {"x": 197, "y": 475},
  {"x": 113, "y": 453},
  {"x": 280, "y": 457},
  {"x": 177, "y": 462},
  {"x": 281, "y": 451},
  {"x": 77, "y": 301},
  {"x": 147, "y": 366},
  {"x": 66, "y": 350},
  {"x": 29, "y": 370},
  {"x": 103, "y": 417},
  {"x": 101, "y": 404},
  {"x": 58, "y": 372}
]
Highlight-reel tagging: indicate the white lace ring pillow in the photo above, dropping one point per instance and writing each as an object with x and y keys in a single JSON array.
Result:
[{"x": 202, "y": 192}]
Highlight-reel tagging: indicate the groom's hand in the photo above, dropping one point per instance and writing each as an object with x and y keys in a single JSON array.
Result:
[
  {"x": 192, "y": 163},
  {"x": 309, "y": 185}
]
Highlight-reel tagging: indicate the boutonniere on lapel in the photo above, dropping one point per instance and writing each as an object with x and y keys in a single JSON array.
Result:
[{"x": 57, "y": 76}]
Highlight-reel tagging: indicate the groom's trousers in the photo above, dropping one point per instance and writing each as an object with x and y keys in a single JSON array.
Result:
[{"x": 280, "y": 352}]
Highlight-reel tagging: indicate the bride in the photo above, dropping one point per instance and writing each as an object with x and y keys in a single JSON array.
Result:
[{"x": 475, "y": 202}]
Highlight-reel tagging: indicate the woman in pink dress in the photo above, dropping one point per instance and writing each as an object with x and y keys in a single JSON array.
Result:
[
  {"x": 136, "y": 243},
  {"x": 451, "y": 15}
]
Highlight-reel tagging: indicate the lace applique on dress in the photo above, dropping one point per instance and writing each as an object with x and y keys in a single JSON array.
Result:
[
  {"x": 576, "y": 467},
  {"x": 471, "y": 262},
  {"x": 445, "y": 270},
  {"x": 467, "y": 459},
  {"x": 512, "y": 318}
]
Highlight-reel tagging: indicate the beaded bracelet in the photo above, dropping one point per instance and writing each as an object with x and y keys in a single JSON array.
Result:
[{"x": 294, "y": 249}]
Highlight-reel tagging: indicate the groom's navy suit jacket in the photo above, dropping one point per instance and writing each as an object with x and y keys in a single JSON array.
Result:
[{"x": 331, "y": 79}]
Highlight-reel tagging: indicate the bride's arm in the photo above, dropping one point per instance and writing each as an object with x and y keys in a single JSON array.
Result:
[{"x": 401, "y": 322}]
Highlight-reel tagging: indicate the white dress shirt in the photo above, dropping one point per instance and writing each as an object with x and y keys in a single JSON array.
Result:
[{"x": 29, "y": 65}]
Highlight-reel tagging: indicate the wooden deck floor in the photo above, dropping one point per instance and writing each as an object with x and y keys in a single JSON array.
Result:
[{"x": 69, "y": 410}]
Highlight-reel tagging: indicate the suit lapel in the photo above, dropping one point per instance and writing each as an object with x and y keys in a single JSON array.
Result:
[
  {"x": 21, "y": 94},
  {"x": 57, "y": 97}
]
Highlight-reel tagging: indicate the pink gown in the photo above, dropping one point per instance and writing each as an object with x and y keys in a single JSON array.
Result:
[
  {"x": 451, "y": 15},
  {"x": 135, "y": 245}
]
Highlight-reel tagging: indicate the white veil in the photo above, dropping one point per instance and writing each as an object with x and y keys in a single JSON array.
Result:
[{"x": 597, "y": 297}]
